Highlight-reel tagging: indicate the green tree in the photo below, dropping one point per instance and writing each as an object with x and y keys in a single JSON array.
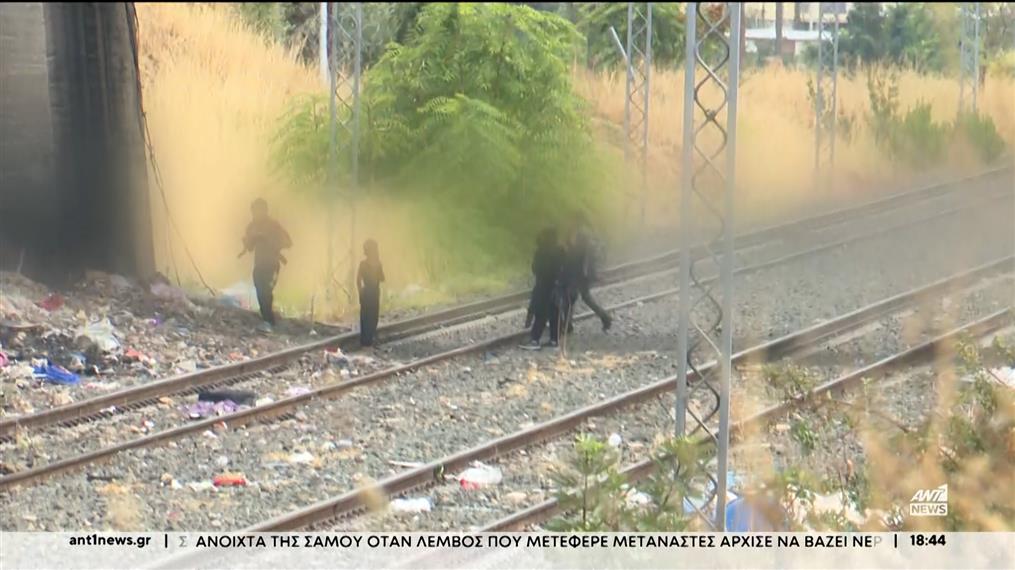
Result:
[
  {"x": 862, "y": 40},
  {"x": 474, "y": 120},
  {"x": 905, "y": 34},
  {"x": 913, "y": 37},
  {"x": 596, "y": 18}
]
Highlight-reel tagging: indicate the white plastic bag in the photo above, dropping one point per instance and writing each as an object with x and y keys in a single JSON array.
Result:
[
  {"x": 480, "y": 475},
  {"x": 418, "y": 505},
  {"x": 241, "y": 294},
  {"x": 101, "y": 334}
]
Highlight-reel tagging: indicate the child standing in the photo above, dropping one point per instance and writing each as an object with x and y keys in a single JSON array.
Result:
[
  {"x": 368, "y": 280},
  {"x": 546, "y": 265}
]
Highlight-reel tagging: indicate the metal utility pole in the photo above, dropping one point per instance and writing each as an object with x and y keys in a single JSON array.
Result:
[
  {"x": 638, "y": 58},
  {"x": 826, "y": 96},
  {"x": 346, "y": 53},
  {"x": 778, "y": 29},
  {"x": 711, "y": 82},
  {"x": 322, "y": 44},
  {"x": 969, "y": 56}
]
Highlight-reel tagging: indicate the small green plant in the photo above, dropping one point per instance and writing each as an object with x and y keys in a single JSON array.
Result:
[
  {"x": 590, "y": 488},
  {"x": 596, "y": 497},
  {"x": 980, "y": 132},
  {"x": 917, "y": 138}
]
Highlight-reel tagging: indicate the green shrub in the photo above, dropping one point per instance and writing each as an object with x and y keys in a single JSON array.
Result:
[
  {"x": 980, "y": 132},
  {"x": 474, "y": 121},
  {"x": 917, "y": 139}
]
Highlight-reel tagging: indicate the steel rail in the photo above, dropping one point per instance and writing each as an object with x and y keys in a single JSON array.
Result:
[
  {"x": 138, "y": 396},
  {"x": 357, "y": 500},
  {"x": 923, "y": 352},
  {"x": 330, "y": 391}
]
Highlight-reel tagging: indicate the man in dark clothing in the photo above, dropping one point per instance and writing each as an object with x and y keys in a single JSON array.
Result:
[
  {"x": 368, "y": 281},
  {"x": 579, "y": 273},
  {"x": 546, "y": 266},
  {"x": 266, "y": 238}
]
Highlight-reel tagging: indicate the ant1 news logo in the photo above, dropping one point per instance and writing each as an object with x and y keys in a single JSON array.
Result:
[{"x": 929, "y": 502}]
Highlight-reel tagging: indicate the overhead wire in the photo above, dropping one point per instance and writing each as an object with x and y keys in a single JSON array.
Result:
[{"x": 133, "y": 24}]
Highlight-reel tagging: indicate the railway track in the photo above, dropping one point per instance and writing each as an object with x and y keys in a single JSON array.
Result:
[
  {"x": 923, "y": 353},
  {"x": 287, "y": 405},
  {"x": 325, "y": 513},
  {"x": 222, "y": 376}
]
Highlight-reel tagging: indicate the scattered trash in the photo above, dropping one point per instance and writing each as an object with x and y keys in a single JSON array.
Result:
[
  {"x": 615, "y": 440},
  {"x": 301, "y": 458},
  {"x": 241, "y": 295},
  {"x": 209, "y": 434},
  {"x": 202, "y": 409},
  {"x": 99, "y": 334},
  {"x": 198, "y": 486},
  {"x": 1005, "y": 375},
  {"x": 78, "y": 362},
  {"x": 407, "y": 464},
  {"x": 264, "y": 401},
  {"x": 240, "y": 397},
  {"x": 221, "y": 461},
  {"x": 294, "y": 391},
  {"x": 480, "y": 475},
  {"x": 335, "y": 357},
  {"x": 636, "y": 498},
  {"x": 119, "y": 282},
  {"x": 187, "y": 366},
  {"x": 56, "y": 374},
  {"x": 418, "y": 505},
  {"x": 51, "y": 303},
  {"x": 167, "y": 291},
  {"x": 343, "y": 443},
  {"x": 4, "y": 361},
  {"x": 131, "y": 355},
  {"x": 230, "y": 480},
  {"x": 102, "y": 386},
  {"x": 745, "y": 514}
]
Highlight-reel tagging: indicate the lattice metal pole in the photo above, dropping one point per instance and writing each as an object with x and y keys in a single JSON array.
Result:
[
  {"x": 707, "y": 200},
  {"x": 825, "y": 99},
  {"x": 638, "y": 57},
  {"x": 322, "y": 44},
  {"x": 346, "y": 61},
  {"x": 969, "y": 56}
]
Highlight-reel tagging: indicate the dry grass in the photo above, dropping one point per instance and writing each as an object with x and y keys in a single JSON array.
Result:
[
  {"x": 213, "y": 91},
  {"x": 776, "y": 137}
]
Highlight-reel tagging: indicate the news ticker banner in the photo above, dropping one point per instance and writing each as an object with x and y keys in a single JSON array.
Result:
[{"x": 23, "y": 551}]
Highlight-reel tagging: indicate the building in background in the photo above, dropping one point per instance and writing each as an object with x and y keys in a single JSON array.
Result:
[{"x": 799, "y": 25}]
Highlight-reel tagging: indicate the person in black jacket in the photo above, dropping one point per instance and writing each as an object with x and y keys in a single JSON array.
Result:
[
  {"x": 266, "y": 238},
  {"x": 578, "y": 274},
  {"x": 368, "y": 281},
  {"x": 546, "y": 265}
]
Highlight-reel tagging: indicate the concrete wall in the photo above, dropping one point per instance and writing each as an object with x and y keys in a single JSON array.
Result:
[
  {"x": 27, "y": 146},
  {"x": 73, "y": 194}
]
